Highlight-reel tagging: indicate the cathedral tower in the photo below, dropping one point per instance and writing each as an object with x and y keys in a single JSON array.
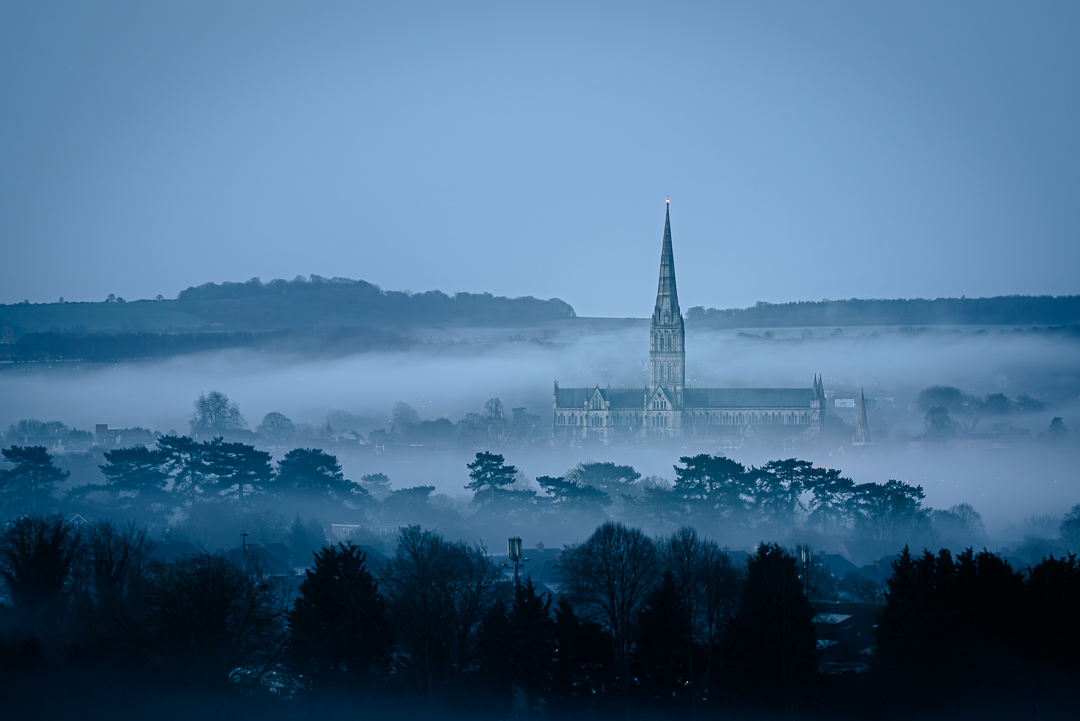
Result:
[{"x": 667, "y": 352}]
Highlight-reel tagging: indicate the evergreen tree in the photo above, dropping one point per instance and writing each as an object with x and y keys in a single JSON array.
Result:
[
  {"x": 773, "y": 643},
  {"x": 139, "y": 475},
  {"x": 489, "y": 474},
  {"x": 663, "y": 638},
  {"x": 339, "y": 635},
  {"x": 532, "y": 630},
  {"x": 583, "y": 674},
  {"x": 237, "y": 465},
  {"x": 311, "y": 471},
  {"x": 28, "y": 486}
]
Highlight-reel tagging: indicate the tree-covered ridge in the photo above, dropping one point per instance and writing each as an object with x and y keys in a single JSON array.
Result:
[
  {"x": 279, "y": 313},
  {"x": 343, "y": 301},
  {"x": 998, "y": 310}
]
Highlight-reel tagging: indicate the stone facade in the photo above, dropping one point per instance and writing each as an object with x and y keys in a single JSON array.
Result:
[{"x": 667, "y": 408}]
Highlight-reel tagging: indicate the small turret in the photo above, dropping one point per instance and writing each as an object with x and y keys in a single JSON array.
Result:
[{"x": 862, "y": 430}]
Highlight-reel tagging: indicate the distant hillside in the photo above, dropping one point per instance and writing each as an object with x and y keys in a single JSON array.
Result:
[
  {"x": 278, "y": 305},
  {"x": 1018, "y": 310},
  {"x": 113, "y": 347},
  {"x": 340, "y": 301}
]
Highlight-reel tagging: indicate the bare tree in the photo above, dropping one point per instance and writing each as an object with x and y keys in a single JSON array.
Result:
[
  {"x": 608, "y": 579},
  {"x": 213, "y": 623},
  {"x": 118, "y": 558},
  {"x": 438, "y": 594},
  {"x": 709, "y": 587},
  {"x": 39, "y": 561},
  {"x": 215, "y": 415}
]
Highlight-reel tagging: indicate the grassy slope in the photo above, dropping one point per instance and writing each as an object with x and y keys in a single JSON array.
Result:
[{"x": 140, "y": 315}]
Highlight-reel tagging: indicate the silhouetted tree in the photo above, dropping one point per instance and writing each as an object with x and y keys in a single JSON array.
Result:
[
  {"x": 516, "y": 650},
  {"x": 890, "y": 514},
  {"x": 28, "y": 486},
  {"x": 489, "y": 473},
  {"x": 185, "y": 464},
  {"x": 958, "y": 526},
  {"x": 135, "y": 478},
  {"x": 947, "y": 621},
  {"x": 608, "y": 579},
  {"x": 583, "y": 672},
  {"x": 530, "y": 657},
  {"x": 212, "y": 623},
  {"x": 1058, "y": 430},
  {"x": 564, "y": 495},
  {"x": 404, "y": 417},
  {"x": 1070, "y": 529},
  {"x": 773, "y": 639},
  {"x": 610, "y": 478},
  {"x": 39, "y": 563},
  {"x": 215, "y": 415},
  {"x": 1052, "y": 628},
  {"x": 339, "y": 630},
  {"x": 313, "y": 472},
  {"x": 708, "y": 586},
  {"x": 407, "y": 505},
  {"x": 119, "y": 559},
  {"x": 662, "y": 661},
  {"x": 304, "y": 540},
  {"x": 939, "y": 423},
  {"x": 237, "y": 465},
  {"x": 377, "y": 484},
  {"x": 778, "y": 487},
  {"x": 438, "y": 594},
  {"x": 714, "y": 487},
  {"x": 276, "y": 428},
  {"x": 830, "y": 499}
]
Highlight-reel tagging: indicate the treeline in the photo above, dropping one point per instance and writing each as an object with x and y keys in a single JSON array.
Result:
[
  {"x": 640, "y": 627},
  {"x": 205, "y": 490},
  {"x": 341, "y": 301},
  {"x": 1019, "y": 310},
  {"x": 112, "y": 347}
]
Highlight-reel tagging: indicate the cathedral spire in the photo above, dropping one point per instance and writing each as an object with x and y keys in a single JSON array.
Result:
[
  {"x": 667, "y": 296},
  {"x": 862, "y": 430},
  {"x": 667, "y": 355}
]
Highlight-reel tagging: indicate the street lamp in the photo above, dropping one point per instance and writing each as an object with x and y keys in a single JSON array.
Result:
[{"x": 513, "y": 549}]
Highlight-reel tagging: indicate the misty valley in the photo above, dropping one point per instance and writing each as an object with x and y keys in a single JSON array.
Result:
[
  {"x": 286, "y": 531},
  {"x": 459, "y": 448}
]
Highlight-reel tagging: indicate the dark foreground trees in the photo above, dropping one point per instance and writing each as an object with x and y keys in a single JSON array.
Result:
[
  {"x": 212, "y": 623},
  {"x": 339, "y": 634},
  {"x": 27, "y": 487},
  {"x": 608, "y": 578},
  {"x": 970, "y": 624},
  {"x": 657, "y": 629},
  {"x": 438, "y": 594},
  {"x": 773, "y": 643},
  {"x": 39, "y": 568}
]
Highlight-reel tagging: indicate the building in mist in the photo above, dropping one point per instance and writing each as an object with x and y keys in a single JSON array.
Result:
[
  {"x": 669, "y": 409},
  {"x": 862, "y": 430}
]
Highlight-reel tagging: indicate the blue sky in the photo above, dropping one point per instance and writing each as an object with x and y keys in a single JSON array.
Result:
[{"x": 811, "y": 150}]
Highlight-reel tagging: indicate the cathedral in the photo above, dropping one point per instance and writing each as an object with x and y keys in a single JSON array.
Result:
[{"x": 667, "y": 408}]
